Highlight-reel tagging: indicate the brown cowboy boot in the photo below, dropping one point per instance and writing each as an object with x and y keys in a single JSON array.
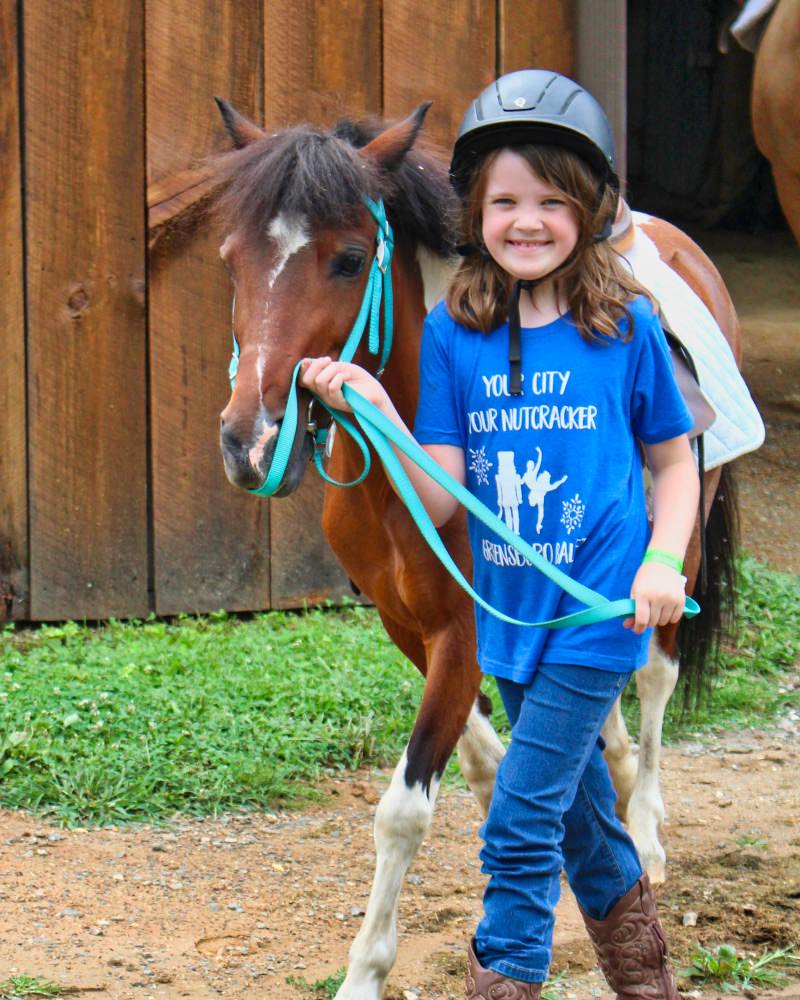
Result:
[
  {"x": 485, "y": 985},
  {"x": 632, "y": 949}
]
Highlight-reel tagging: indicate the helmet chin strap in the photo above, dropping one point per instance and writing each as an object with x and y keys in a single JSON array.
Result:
[
  {"x": 605, "y": 232},
  {"x": 515, "y": 335}
]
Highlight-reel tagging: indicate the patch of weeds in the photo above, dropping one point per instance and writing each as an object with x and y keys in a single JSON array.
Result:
[
  {"x": 28, "y": 986},
  {"x": 325, "y": 989},
  {"x": 752, "y": 840},
  {"x": 554, "y": 988},
  {"x": 731, "y": 972}
]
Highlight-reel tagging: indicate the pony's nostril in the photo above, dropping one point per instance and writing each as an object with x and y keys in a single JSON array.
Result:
[{"x": 229, "y": 440}]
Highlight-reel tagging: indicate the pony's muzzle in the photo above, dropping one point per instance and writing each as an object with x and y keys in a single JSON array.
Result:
[{"x": 236, "y": 458}]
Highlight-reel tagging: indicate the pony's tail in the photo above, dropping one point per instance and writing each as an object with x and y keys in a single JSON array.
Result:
[{"x": 700, "y": 639}]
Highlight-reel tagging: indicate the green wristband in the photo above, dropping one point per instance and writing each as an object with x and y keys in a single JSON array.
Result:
[{"x": 665, "y": 558}]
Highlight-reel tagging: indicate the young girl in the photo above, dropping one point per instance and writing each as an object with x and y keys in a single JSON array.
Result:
[{"x": 540, "y": 375}]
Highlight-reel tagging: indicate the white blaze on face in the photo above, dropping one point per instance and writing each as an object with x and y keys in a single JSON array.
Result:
[
  {"x": 290, "y": 235},
  {"x": 223, "y": 250}
]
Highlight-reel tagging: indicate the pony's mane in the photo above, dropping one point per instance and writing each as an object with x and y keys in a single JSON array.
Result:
[{"x": 319, "y": 174}]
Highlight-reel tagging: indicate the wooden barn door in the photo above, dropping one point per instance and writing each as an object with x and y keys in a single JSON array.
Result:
[
  {"x": 211, "y": 546},
  {"x": 321, "y": 61},
  {"x": 114, "y": 307},
  {"x": 86, "y": 325},
  {"x": 14, "y": 570}
]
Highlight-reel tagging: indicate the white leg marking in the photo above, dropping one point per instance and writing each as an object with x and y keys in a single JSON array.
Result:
[
  {"x": 402, "y": 817},
  {"x": 620, "y": 757},
  {"x": 479, "y": 753},
  {"x": 655, "y": 683},
  {"x": 290, "y": 235}
]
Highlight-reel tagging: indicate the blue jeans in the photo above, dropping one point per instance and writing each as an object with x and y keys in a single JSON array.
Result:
[{"x": 553, "y": 808}]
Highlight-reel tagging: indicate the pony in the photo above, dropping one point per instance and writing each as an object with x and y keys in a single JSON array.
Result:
[
  {"x": 775, "y": 114},
  {"x": 298, "y": 243}
]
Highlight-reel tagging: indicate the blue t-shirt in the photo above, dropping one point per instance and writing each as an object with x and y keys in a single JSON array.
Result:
[{"x": 560, "y": 464}]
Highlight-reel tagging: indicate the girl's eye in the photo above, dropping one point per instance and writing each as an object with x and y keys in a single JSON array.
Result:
[
  {"x": 349, "y": 264},
  {"x": 554, "y": 201}
]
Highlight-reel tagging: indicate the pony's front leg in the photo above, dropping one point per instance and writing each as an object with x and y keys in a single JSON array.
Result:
[
  {"x": 655, "y": 683},
  {"x": 403, "y": 815},
  {"x": 405, "y": 811}
]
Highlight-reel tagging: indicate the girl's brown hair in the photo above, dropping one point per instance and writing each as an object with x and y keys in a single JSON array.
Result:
[{"x": 592, "y": 281}]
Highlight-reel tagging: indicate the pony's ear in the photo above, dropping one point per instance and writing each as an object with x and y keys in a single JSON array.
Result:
[
  {"x": 241, "y": 130},
  {"x": 389, "y": 148}
]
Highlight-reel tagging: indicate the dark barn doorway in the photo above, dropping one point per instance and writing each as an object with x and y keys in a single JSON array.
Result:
[{"x": 691, "y": 153}]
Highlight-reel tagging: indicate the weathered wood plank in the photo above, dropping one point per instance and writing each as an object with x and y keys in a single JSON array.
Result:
[
  {"x": 601, "y": 65},
  {"x": 211, "y": 542},
  {"x": 538, "y": 34},
  {"x": 13, "y": 461},
  {"x": 86, "y": 324},
  {"x": 439, "y": 50},
  {"x": 322, "y": 60}
]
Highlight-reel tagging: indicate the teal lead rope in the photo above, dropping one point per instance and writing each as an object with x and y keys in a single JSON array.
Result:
[{"x": 382, "y": 434}]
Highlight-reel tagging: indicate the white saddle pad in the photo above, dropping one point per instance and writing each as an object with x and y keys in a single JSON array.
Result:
[{"x": 738, "y": 427}]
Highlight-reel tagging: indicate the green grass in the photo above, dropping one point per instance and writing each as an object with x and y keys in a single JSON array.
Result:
[
  {"x": 725, "y": 968},
  {"x": 28, "y": 986},
  {"x": 138, "y": 721},
  {"x": 325, "y": 989}
]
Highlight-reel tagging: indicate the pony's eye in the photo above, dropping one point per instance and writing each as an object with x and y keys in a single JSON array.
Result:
[{"x": 349, "y": 264}]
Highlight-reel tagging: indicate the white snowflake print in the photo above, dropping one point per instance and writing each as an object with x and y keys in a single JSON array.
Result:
[
  {"x": 480, "y": 465},
  {"x": 574, "y": 509}
]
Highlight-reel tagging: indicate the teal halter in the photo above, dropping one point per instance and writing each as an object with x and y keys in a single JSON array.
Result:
[{"x": 380, "y": 432}]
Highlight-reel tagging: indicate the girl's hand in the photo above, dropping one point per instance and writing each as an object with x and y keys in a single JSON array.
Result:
[
  {"x": 660, "y": 597},
  {"x": 326, "y": 378}
]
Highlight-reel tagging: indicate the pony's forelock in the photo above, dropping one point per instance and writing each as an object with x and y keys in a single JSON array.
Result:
[{"x": 319, "y": 175}]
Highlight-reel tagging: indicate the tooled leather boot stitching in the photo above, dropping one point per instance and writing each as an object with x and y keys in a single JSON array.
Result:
[
  {"x": 632, "y": 949},
  {"x": 482, "y": 984}
]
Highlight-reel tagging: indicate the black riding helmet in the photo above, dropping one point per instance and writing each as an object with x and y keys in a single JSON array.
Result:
[{"x": 533, "y": 107}]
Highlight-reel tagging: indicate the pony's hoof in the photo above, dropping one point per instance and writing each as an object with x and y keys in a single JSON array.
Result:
[{"x": 657, "y": 872}]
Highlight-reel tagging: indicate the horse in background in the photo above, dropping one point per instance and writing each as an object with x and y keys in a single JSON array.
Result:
[
  {"x": 775, "y": 108},
  {"x": 771, "y": 30},
  {"x": 299, "y": 242}
]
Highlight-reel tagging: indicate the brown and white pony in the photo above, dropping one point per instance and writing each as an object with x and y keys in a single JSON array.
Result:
[
  {"x": 775, "y": 106},
  {"x": 299, "y": 243}
]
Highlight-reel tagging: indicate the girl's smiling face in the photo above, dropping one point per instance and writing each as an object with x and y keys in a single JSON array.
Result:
[{"x": 528, "y": 226}]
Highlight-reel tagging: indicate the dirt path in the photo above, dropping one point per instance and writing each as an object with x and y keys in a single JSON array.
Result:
[
  {"x": 763, "y": 276},
  {"x": 231, "y": 908}
]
